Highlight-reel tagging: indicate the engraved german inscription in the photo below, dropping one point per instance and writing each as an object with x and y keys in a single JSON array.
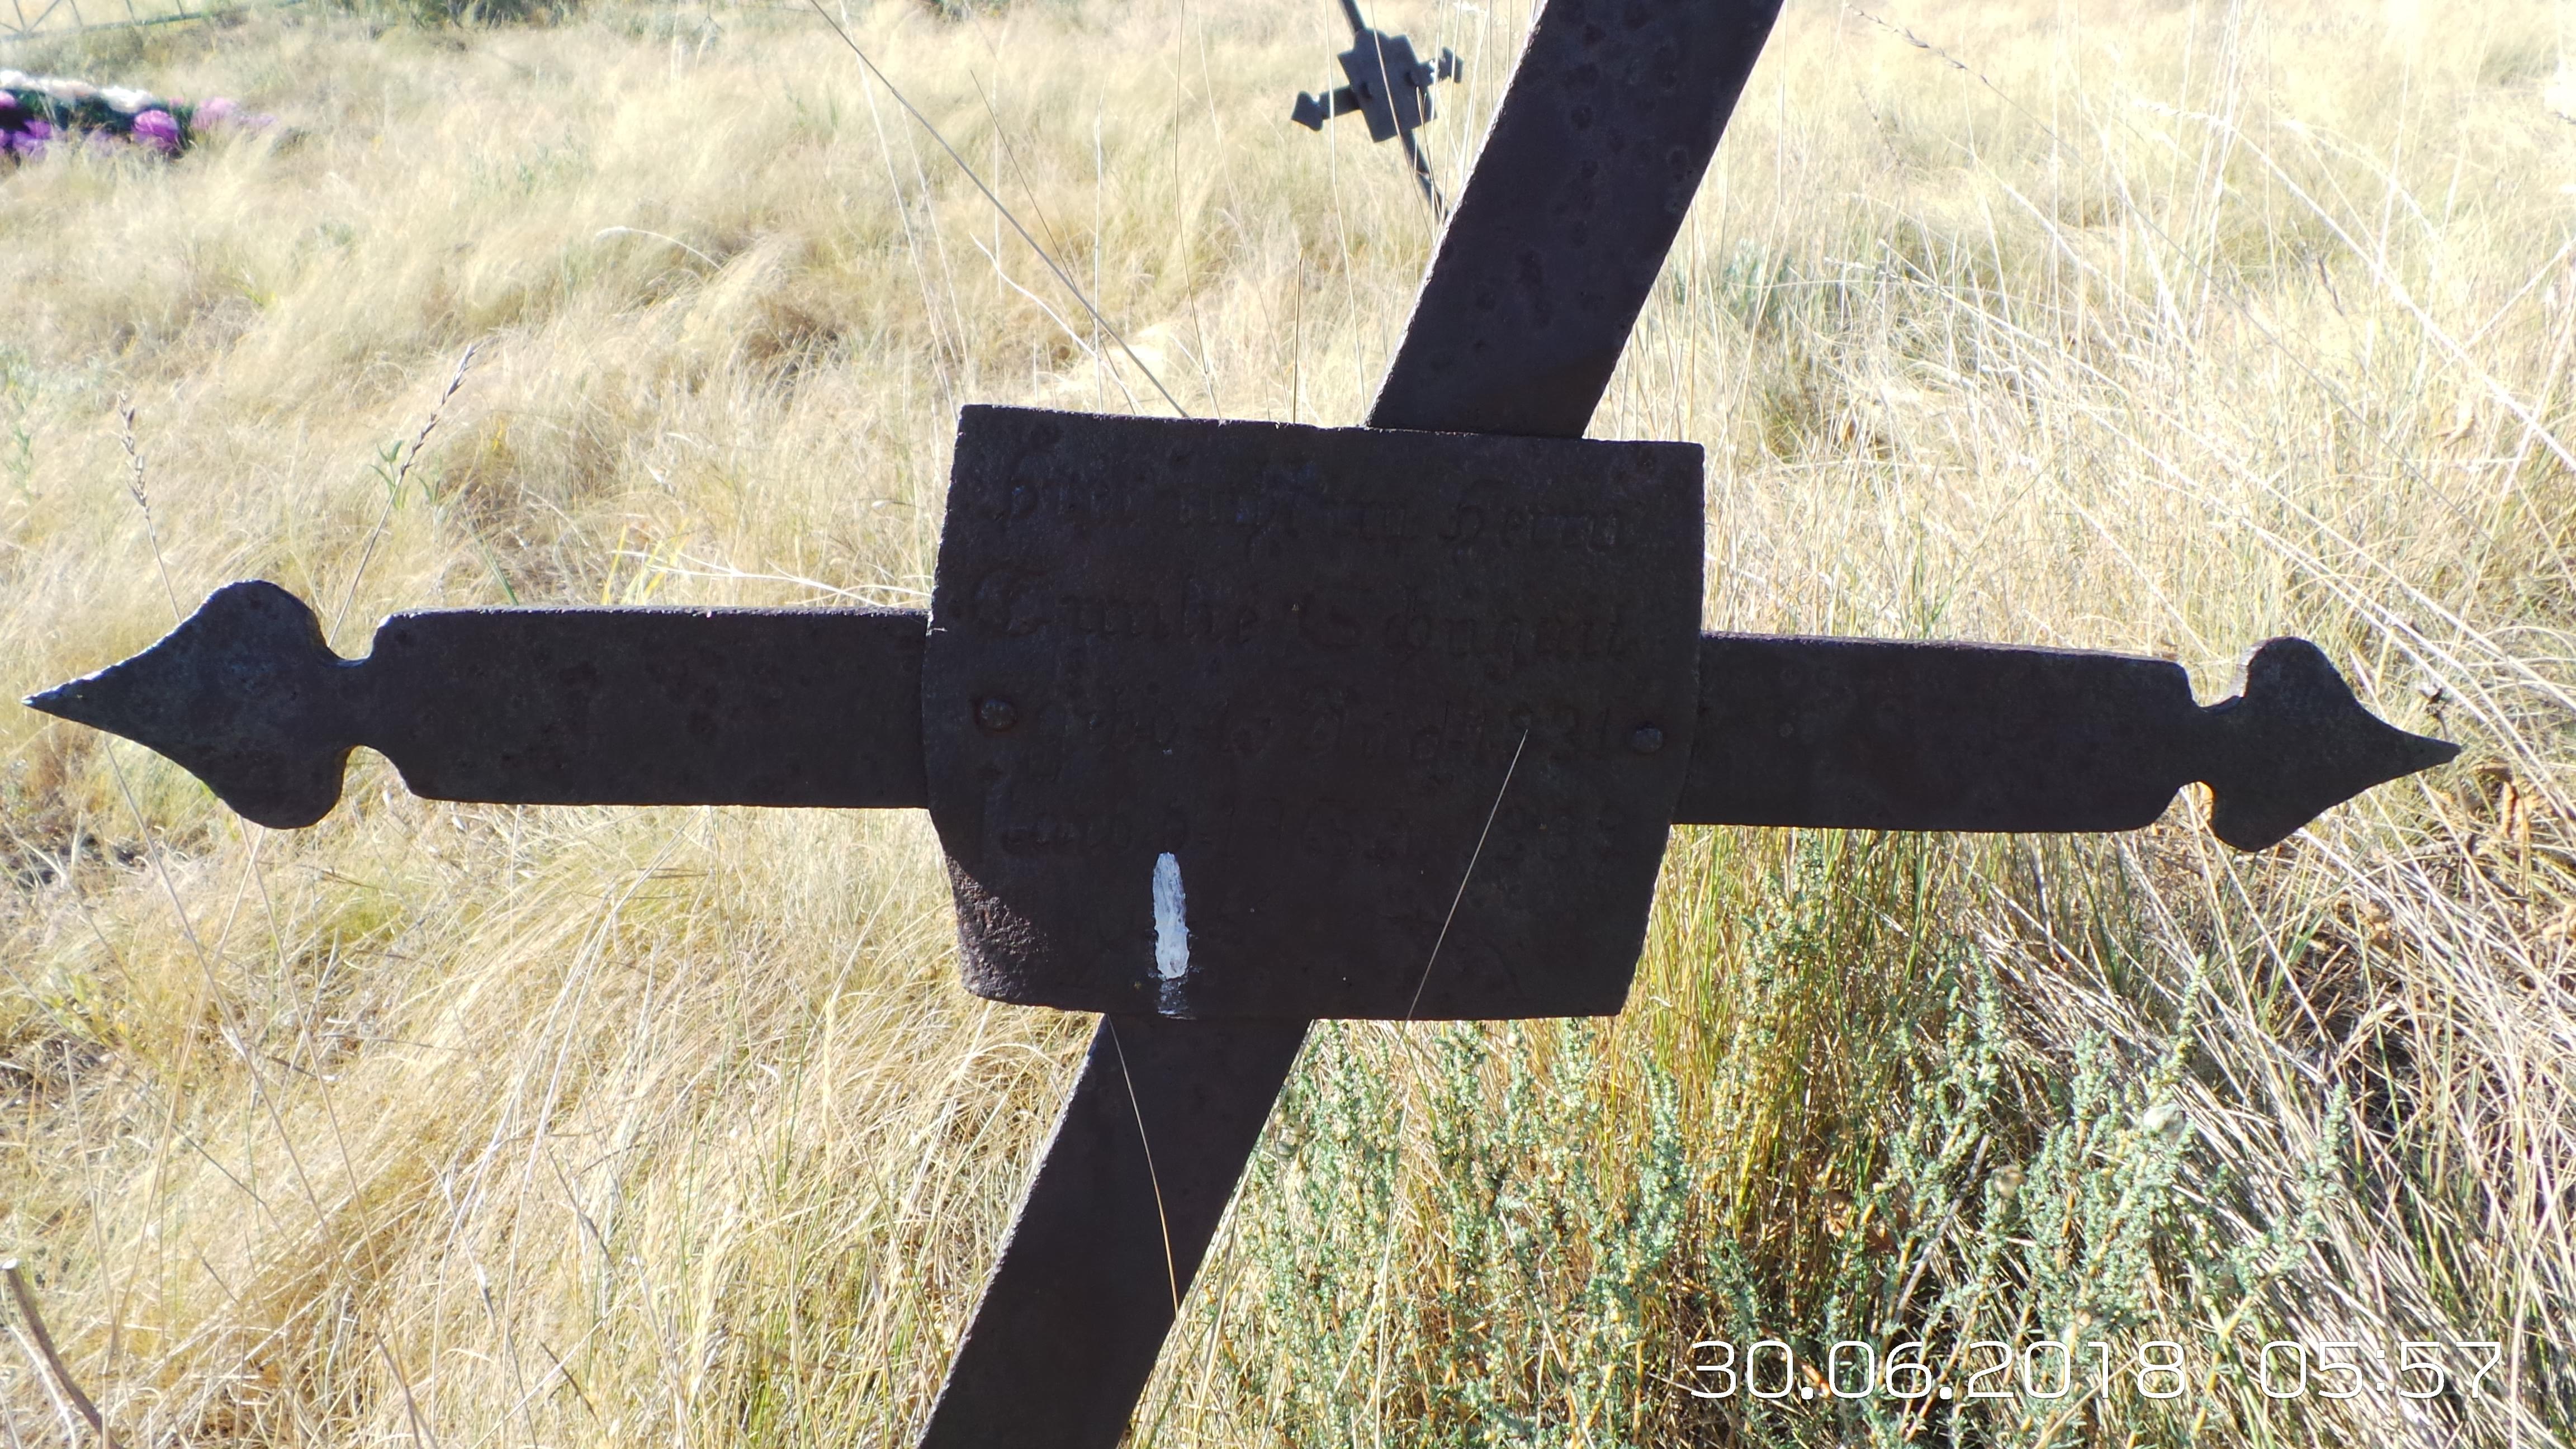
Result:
[{"x": 1301, "y": 664}]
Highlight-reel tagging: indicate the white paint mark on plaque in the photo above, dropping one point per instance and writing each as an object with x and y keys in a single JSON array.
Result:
[{"x": 1171, "y": 920}]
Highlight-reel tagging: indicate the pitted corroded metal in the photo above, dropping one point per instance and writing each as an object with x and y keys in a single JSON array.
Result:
[
  {"x": 527, "y": 706},
  {"x": 1129, "y": 1191},
  {"x": 1595, "y": 154},
  {"x": 1323, "y": 679},
  {"x": 1876, "y": 734},
  {"x": 810, "y": 708}
]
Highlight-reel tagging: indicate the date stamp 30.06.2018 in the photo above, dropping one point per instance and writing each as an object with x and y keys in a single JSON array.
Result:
[{"x": 1963, "y": 1372}]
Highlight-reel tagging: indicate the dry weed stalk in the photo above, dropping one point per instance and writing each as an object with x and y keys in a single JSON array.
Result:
[{"x": 49, "y": 1359}]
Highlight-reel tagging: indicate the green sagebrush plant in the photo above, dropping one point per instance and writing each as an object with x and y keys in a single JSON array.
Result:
[
  {"x": 1511, "y": 1234},
  {"x": 1448, "y": 1255}
]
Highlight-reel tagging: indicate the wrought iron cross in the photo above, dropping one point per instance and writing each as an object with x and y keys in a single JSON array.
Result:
[
  {"x": 1389, "y": 88},
  {"x": 1226, "y": 726}
]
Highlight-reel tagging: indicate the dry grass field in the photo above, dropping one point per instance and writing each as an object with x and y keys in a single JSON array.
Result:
[{"x": 2159, "y": 325}]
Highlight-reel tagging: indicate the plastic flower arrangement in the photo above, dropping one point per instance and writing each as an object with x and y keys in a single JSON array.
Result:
[{"x": 39, "y": 111}]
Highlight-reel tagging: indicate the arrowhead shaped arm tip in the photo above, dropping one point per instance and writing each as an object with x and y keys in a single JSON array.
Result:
[
  {"x": 621, "y": 706},
  {"x": 2296, "y": 744},
  {"x": 1876, "y": 734},
  {"x": 244, "y": 694}
]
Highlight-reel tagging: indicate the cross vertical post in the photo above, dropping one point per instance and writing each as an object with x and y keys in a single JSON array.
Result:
[{"x": 1595, "y": 155}]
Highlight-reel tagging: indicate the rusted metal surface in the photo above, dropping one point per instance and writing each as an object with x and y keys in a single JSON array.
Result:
[
  {"x": 2294, "y": 745},
  {"x": 528, "y": 706},
  {"x": 1595, "y": 154},
  {"x": 820, "y": 708},
  {"x": 1461, "y": 369},
  {"x": 1270, "y": 688},
  {"x": 1883, "y": 735},
  {"x": 1132, "y": 1184}
]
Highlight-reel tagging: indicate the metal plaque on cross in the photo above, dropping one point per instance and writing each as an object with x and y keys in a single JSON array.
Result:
[{"x": 1227, "y": 726}]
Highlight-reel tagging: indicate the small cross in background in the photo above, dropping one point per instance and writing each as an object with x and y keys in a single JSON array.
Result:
[{"x": 1391, "y": 90}]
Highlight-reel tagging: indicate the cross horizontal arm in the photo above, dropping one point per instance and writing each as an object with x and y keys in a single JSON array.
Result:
[
  {"x": 1313, "y": 111},
  {"x": 822, "y": 707},
  {"x": 646, "y": 706},
  {"x": 1886, "y": 735}
]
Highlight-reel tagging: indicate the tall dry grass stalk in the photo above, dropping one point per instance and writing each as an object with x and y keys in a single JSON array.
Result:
[{"x": 2156, "y": 327}]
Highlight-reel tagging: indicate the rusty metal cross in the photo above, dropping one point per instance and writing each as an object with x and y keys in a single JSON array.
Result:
[
  {"x": 1391, "y": 90},
  {"x": 1227, "y": 726}
]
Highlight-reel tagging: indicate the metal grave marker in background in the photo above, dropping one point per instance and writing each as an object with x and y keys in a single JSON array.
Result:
[
  {"x": 1225, "y": 725},
  {"x": 1391, "y": 90}
]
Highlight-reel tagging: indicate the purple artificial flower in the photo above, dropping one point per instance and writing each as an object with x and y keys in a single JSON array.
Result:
[
  {"x": 28, "y": 141},
  {"x": 157, "y": 129},
  {"x": 215, "y": 111}
]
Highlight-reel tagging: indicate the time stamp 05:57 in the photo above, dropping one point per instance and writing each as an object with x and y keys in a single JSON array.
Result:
[{"x": 2048, "y": 1368}]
